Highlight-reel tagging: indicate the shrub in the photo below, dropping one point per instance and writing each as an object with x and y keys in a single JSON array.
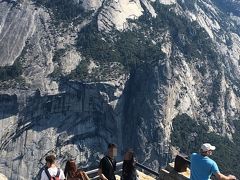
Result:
[
  {"x": 64, "y": 10},
  {"x": 11, "y": 72}
]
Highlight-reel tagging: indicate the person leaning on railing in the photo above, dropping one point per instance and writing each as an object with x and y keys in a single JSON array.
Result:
[
  {"x": 202, "y": 167},
  {"x": 107, "y": 166},
  {"x": 129, "y": 171}
]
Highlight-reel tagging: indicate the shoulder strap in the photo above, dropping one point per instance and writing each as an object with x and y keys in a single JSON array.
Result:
[
  {"x": 47, "y": 173},
  {"x": 111, "y": 172},
  {"x": 58, "y": 173},
  {"x": 109, "y": 161}
]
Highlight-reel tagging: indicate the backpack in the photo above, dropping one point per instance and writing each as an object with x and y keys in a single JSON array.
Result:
[{"x": 52, "y": 177}]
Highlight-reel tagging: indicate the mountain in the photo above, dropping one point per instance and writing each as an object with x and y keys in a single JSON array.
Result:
[{"x": 158, "y": 76}]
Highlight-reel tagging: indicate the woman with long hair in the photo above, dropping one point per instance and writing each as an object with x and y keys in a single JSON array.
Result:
[
  {"x": 129, "y": 171},
  {"x": 72, "y": 173}
]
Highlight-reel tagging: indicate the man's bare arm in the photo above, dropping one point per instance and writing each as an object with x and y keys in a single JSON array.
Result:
[
  {"x": 101, "y": 175},
  {"x": 221, "y": 176}
]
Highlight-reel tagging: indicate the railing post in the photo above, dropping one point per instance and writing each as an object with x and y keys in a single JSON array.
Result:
[
  {"x": 147, "y": 169},
  {"x": 93, "y": 173}
]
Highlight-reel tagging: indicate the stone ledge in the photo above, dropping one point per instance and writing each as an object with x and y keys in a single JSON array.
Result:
[{"x": 170, "y": 174}]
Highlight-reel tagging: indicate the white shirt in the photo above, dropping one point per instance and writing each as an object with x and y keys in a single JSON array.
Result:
[{"x": 53, "y": 172}]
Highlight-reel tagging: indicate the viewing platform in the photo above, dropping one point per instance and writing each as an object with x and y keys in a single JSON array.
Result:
[{"x": 177, "y": 170}]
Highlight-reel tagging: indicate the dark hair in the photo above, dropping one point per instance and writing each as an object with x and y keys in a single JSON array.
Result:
[
  {"x": 70, "y": 168},
  {"x": 72, "y": 171},
  {"x": 50, "y": 159},
  {"x": 129, "y": 168},
  {"x": 111, "y": 145},
  {"x": 129, "y": 155}
]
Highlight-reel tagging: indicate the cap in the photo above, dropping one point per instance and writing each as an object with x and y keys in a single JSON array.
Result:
[{"x": 207, "y": 147}]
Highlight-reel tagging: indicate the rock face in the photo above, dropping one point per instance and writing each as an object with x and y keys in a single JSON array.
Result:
[
  {"x": 116, "y": 13},
  {"x": 15, "y": 27},
  {"x": 3, "y": 177},
  {"x": 58, "y": 97},
  {"x": 77, "y": 122}
]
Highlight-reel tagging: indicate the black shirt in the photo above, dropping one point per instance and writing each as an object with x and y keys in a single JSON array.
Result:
[
  {"x": 128, "y": 171},
  {"x": 108, "y": 166}
]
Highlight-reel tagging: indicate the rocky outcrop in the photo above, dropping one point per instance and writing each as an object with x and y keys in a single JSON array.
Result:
[
  {"x": 3, "y": 177},
  {"x": 115, "y": 14},
  {"x": 169, "y": 173},
  {"x": 92, "y": 5}
]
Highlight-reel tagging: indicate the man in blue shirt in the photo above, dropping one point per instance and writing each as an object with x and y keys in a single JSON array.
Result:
[{"x": 202, "y": 167}]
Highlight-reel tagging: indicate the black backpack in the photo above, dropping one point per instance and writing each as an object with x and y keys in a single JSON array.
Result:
[{"x": 52, "y": 177}]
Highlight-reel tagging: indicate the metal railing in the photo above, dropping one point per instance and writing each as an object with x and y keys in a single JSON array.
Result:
[
  {"x": 147, "y": 169},
  {"x": 93, "y": 174}
]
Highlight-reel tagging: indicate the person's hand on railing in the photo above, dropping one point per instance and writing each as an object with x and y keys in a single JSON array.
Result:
[
  {"x": 101, "y": 175},
  {"x": 231, "y": 177},
  {"x": 221, "y": 176}
]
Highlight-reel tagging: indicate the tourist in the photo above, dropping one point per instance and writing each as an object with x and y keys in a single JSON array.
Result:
[
  {"x": 202, "y": 167},
  {"x": 72, "y": 173},
  {"x": 129, "y": 171},
  {"x": 107, "y": 165},
  {"x": 51, "y": 171}
]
